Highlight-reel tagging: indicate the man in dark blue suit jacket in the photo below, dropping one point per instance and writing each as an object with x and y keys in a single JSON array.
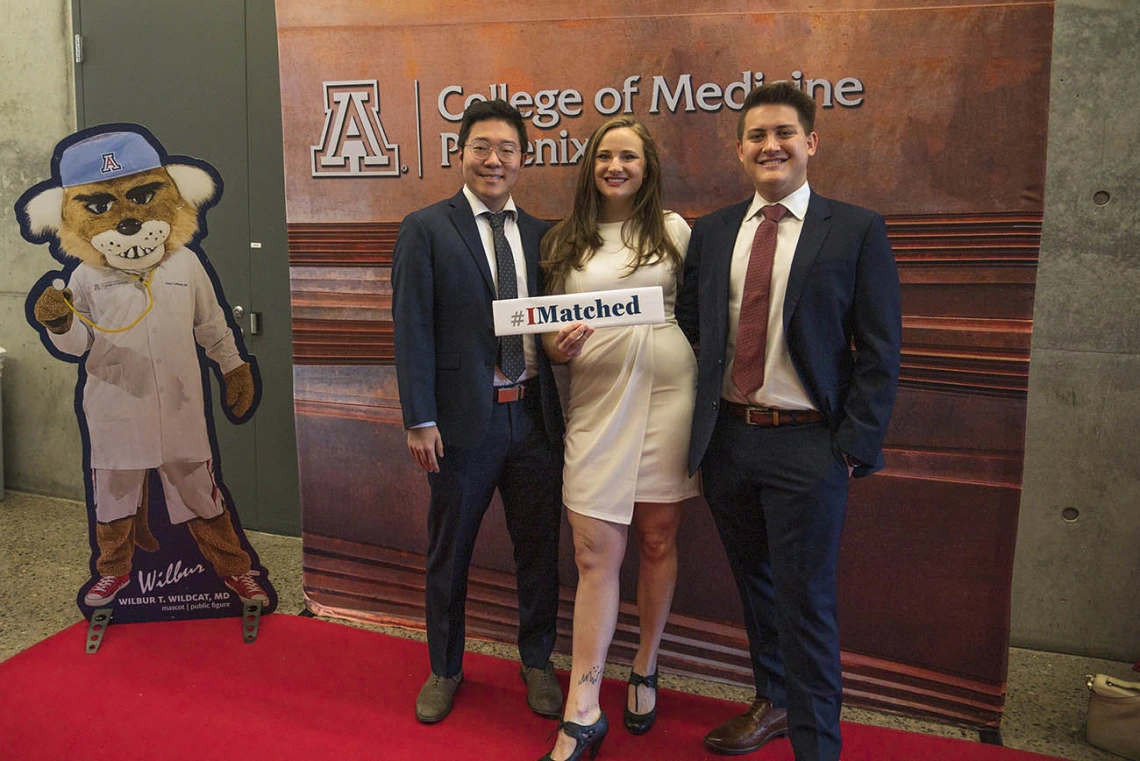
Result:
[
  {"x": 787, "y": 410},
  {"x": 470, "y": 426}
]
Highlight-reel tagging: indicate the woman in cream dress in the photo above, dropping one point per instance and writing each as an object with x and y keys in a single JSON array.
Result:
[{"x": 629, "y": 413}]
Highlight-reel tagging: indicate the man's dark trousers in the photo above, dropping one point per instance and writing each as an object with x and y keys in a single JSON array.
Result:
[
  {"x": 519, "y": 458},
  {"x": 778, "y": 497}
]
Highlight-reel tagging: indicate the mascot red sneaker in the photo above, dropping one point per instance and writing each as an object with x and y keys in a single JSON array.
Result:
[{"x": 135, "y": 303}]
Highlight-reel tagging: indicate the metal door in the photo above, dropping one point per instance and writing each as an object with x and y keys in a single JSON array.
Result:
[{"x": 202, "y": 77}]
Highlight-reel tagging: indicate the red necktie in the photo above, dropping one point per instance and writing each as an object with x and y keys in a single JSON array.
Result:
[{"x": 752, "y": 330}]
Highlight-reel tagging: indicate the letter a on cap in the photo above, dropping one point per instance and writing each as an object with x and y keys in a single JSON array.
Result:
[{"x": 109, "y": 163}]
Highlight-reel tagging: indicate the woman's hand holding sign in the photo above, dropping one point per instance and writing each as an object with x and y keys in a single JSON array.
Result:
[{"x": 567, "y": 343}]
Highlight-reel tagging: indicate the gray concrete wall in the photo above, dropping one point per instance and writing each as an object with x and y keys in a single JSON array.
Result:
[
  {"x": 37, "y": 108},
  {"x": 1076, "y": 586}
]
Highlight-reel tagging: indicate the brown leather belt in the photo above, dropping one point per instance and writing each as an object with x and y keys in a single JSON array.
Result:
[
  {"x": 765, "y": 417},
  {"x": 505, "y": 394}
]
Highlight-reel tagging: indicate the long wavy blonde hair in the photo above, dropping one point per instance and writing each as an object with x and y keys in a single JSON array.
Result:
[{"x": 572, "y": 242}]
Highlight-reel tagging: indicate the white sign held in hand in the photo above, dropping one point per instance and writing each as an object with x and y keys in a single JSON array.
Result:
[{"x": 598, "y": 309}]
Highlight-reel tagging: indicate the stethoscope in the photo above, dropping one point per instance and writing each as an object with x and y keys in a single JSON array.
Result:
[{"x": 59, "y": 285}]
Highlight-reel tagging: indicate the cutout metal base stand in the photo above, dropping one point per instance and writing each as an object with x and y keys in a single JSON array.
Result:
[
  {"x": 100, "y": 620},
  {"x": 990, "y": 736},
  {"x": 250, "y": 620}
]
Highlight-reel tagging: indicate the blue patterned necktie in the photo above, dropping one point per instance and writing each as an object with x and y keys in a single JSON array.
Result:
[{"x": 511, "y": 359}]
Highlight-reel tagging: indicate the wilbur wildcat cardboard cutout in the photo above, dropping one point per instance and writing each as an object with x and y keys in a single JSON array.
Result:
[{"x": 139, "y": 308}]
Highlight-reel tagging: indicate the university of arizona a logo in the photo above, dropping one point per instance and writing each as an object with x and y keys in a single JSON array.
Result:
[
  {"x": 353, "y": 143},
  {"x": 109, "y": 163}
]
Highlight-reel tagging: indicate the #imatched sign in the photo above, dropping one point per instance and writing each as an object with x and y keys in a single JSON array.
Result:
[{"x": 598, "y": 309}]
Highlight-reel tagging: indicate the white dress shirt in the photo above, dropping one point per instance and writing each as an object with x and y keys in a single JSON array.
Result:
[
  {"x": 782, "y": 388},
  {"x": 511, "y": 230}
]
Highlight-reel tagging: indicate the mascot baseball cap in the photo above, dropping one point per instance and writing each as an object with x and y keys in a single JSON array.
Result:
[{"x": 104, "y": 157}]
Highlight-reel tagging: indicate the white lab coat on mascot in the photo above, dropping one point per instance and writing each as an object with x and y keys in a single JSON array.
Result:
[{"x": 143, "y": 399}]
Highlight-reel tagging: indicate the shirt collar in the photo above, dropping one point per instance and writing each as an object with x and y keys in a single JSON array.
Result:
[
  {"x": 478, "y": 207},
  {"x": 795, "y": 202}
]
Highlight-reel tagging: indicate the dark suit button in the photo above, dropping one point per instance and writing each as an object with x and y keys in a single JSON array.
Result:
[
  {"x": 720, "y": 361},
  {"x": 488, "y": 364},
  {"x": 714, "y": 405}
]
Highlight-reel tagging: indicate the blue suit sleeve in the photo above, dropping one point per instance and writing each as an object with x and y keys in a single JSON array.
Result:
[
  {"x": 877, "y": 334},
  {"x": 686, "y": 309},
  {"x": 413, "y": 317}
]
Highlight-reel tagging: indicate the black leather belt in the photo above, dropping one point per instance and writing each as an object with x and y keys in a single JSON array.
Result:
[{"x": 766, "y": 417}]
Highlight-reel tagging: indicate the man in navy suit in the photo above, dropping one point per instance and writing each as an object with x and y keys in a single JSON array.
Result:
[
  {"x": 794, "y": 301},
  {"x": 481, "y": 412}
]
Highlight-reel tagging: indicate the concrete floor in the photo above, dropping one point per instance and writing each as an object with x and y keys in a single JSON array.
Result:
[{"x": 43, "y": 560}]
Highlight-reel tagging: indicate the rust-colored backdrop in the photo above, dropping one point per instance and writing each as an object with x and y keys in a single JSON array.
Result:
[{"x": 934, "y": 113}]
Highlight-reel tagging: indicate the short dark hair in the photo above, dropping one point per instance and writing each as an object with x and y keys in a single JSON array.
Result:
[
  {"x": 484, "y": 110},
  {"x": 782, "y": 93}
]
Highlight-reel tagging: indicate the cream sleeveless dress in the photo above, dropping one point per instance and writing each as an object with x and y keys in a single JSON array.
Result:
[{"x": 631, "y": 396}]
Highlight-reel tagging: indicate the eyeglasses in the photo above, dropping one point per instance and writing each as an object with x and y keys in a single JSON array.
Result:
[{"x": 482, "y": 150}]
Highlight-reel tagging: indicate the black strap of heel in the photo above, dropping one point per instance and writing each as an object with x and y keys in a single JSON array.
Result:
[
  {"x": 583, "y": 734},
  {"x": 649, "y": 681},
  {"x": 636, "y": 679},
  {"x": 587, "y": 737}
]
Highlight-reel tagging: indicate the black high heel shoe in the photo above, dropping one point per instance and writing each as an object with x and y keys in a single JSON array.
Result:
[
  {"x": 640, "y": 723},
  {"x": 586, "y": 737}
]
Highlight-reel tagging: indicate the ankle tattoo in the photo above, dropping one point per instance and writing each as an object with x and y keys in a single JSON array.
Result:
[{"x": 593, "y": 676}]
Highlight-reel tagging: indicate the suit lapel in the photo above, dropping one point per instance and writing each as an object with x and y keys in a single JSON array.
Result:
[
  {"x": 468, "y": 229},
  {"x": 817, "y": 221},
  {"x": 528, "y": 233},
  {"x": 722, "y": 267}
]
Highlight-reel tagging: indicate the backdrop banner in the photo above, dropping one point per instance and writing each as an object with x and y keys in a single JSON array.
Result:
[{"x": 933, "y": 113}]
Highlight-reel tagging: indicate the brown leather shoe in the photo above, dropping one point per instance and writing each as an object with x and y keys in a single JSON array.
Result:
[
  {"x": 436, "y": 696},
  {"x": 750, "y": 730},
  {"x": 543, "y": 693}
]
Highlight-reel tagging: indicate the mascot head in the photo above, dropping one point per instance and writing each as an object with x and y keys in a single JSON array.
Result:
[{"x": 116, "y": 201}]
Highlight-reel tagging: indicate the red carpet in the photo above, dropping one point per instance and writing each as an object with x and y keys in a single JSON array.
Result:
[{"x": 313, "y": 690}]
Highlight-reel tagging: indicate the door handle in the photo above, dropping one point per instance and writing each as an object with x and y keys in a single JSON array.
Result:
[{"x": 254, "y": 320}]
